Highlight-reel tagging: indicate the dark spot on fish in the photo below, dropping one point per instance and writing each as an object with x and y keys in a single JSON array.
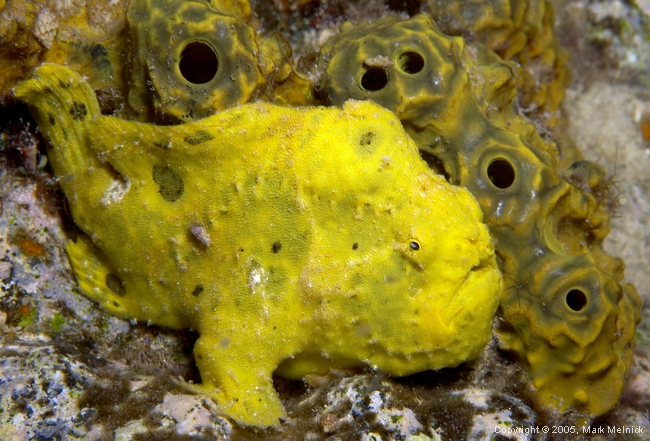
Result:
[
  {"x": 366, "y": 139},
  {"x": 163, "y": 144},
  {"x": 198, "y": 137},
  {"x": 198, "y": 290},
  {"x": 277, "y": 246},
  {"x": 115, "y": 284},
  {"x": 170, "y": 183},
  {"x": 78, "y": 111}
]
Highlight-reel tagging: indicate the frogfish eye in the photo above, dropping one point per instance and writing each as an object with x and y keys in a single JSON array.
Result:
[{"x": 415, "y": 245}]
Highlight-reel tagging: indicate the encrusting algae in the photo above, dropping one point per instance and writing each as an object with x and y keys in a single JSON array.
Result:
[
  {"x": 563, "y": 310},
  {"x": 292, "y": 240}
]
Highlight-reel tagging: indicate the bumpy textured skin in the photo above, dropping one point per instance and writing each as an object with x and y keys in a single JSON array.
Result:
[
  {"x": 518, "y": 30},
  {"x": 295, "y": 239},
  {"x": 563, "y": 310}
]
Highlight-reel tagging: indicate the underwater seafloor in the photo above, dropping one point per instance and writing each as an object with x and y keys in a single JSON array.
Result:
[{"x": 70, "y": 371}]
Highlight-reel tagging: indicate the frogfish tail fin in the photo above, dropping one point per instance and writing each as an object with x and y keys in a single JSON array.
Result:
[{"x": 63, "y": 105}]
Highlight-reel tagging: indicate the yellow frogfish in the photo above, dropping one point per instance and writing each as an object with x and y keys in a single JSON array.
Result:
[{"x": 293, "y": 240}]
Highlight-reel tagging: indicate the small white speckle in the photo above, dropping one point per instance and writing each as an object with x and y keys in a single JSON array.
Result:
[
  {"x": 376, "y": 402},
  {"x": 200, "y": 234},
  {"x": 478, "y": 398},
  {"x": 256, "y": 277},
  {"x": 116, "y": 191}
]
